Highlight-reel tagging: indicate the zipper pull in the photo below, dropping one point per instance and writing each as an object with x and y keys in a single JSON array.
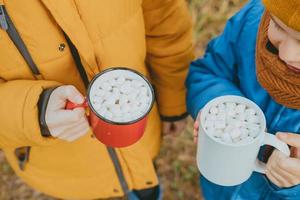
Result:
[{"x": 3, "y": 22}]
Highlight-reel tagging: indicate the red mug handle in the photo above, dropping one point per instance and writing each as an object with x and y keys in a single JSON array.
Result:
[{"x": 70, "y": 105}]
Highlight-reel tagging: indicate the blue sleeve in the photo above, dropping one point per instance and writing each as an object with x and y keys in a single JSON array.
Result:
[
  {"x": 215, "y": 74},
  {"x": 291, "y": 193}
]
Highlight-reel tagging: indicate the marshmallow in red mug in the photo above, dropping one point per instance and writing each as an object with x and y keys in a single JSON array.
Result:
[{"x": 121, "y": 96}]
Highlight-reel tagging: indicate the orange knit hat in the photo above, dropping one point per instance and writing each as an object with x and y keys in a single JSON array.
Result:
[{"x": 288, "y": 11}]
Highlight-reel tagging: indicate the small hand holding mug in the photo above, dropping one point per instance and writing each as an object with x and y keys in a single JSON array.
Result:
[
  {"x": 231, "y": 132},
  {"x": 282, "y": 170},
  {"x": 67, "y": 125}
]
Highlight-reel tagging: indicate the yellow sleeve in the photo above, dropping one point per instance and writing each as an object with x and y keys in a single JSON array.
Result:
[
  {"x": 169, "y": 52},
  {"x": 19, "y": 120}
]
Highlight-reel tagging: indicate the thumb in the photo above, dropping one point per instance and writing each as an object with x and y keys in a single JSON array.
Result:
[
  {"x": 72, "y": 94},
  {"x": 291, "y": 139}
]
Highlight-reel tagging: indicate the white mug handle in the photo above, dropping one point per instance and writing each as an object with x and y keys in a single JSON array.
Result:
[{"x": 272, "y": 140}]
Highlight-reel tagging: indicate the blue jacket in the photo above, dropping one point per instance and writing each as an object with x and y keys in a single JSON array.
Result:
[{"x": 228, "y": 68}]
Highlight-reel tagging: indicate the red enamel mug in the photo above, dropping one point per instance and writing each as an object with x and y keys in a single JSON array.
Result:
[{"x": 122, "y": 132}]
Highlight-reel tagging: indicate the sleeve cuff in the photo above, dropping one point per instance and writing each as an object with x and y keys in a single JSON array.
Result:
[
  {"x": 42, "y": 106},
  {"x": 291, "y": 193},
  {"x": 174, "y": 118}
]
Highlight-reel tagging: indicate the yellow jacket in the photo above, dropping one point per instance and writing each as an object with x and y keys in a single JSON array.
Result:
[{"x": 151, "y": 36}]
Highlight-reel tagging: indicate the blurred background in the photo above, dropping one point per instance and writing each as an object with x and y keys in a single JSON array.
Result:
[{"x": 176, "y": 163}]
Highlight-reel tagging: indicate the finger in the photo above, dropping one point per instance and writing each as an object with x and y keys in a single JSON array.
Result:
[
  {"x": 63, "y": 117},
  {"x": 75, "y": 132},
  {"x": 71, "y": 93},
  {"x": 275, "y": 166},
  {"x": 178, "y": 127},
  {"x": 275, "y": 178},
  {"x": 291, "y": 139},
  {"x": 60, "y": 130},
  {"x": 69, "y": 126},
  {"x": 56, "y": 131},
  {"x": 74, "y": 136},
  {"x": 196, "y": 125},
  {"x": 290, "y": 179},
  {"x": 291, "y": 165},
  {"x": 166, "y": 128},
  {"x": 195, "y": 133},
  {"x": 195, "y": 140}
]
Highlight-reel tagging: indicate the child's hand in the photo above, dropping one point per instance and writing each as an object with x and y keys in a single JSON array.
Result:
[
  {"x": 68, "y": 125},
  {"x": 196, "y": 128},
  {"x": 173, "y": 128},
  {"x": 284, "y": 171}
]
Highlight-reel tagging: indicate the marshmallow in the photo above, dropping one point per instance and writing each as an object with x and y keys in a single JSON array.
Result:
[
  {"x": 136, "y": 83},
  {"x": 230, "y": 105},
  {"x": 97, "y": 106},
  {"x": 120, "y": 80},
  {"x": 219, "y": 124},
  {"x": 253, "y": 119},
  {"x": 244, "y": 133},
  {"x": 221, "y": 116},
  {"x": 241, "y": 117},
  {"x": 116, "y": 110},
  {"x": 108, "y": 115},
  {"x": 217, "y": 133},
  {"x": 232, "y": 123},
  {"x": 246, "y": 140},
  {"x": 110, "y": 101},
  {"x": 226, "y": 138},
  {"x": 106, "y": 86},
  {"x": 250, "y": 111},
  {"x": 211, "y": 117},
  {"x": 253, "y": 134},
  {"x": 112, "y": 81},
  {"x": 209, "y": 123},
  {"x": 229, "y": 128},
  {"x": 235, "y": 133},
  {"x": 221, "y": 108},
  {"x": 121, "y": 98},
  {"x": 213, "y": 110},
  {"x": 100, "y": 92},
  {"x": 231, "y": 112},
  {"x": 253, "y": 127},
  {"x": 116, "y": 92},
  {"x": 240, "y": 108}
]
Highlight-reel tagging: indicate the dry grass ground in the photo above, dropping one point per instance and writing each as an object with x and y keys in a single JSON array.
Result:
[{"x": 176, "y": 163}]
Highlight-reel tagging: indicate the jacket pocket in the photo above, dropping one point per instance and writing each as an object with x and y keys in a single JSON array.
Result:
[{"x": 22, "y": 154}]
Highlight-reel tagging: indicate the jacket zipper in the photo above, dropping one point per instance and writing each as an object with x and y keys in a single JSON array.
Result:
[
  {"x": 8, "y": 26},
  {"x": 3, "y": 22}
]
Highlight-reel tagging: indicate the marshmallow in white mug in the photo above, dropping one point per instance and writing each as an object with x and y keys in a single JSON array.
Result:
[{"x": 232, "y": 123}]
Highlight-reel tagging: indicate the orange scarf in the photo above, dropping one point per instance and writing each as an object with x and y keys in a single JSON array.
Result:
[{"x": 272, "y": 73}]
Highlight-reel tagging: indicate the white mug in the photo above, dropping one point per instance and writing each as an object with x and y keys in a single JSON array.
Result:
[{"x": 232, "y": 164}]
